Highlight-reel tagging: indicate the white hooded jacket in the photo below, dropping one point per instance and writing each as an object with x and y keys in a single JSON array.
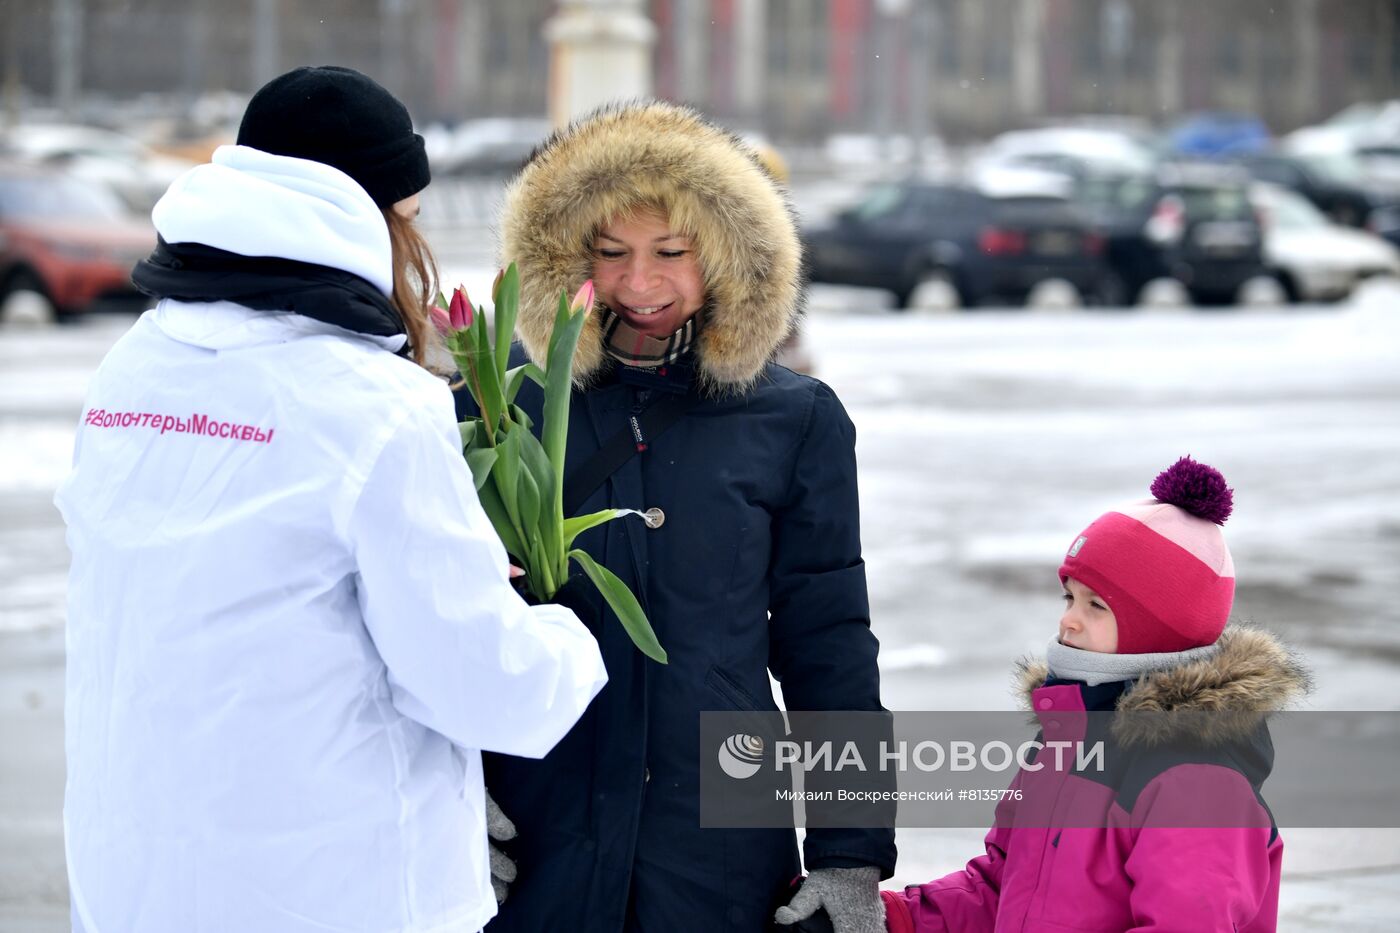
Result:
[{"x": 290, "y": 628}]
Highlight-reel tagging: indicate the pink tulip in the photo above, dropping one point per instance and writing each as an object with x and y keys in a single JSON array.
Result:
[
  {"x": 441, "y": 322},
  {"x": 583, "y": 299},
  {"x": 460, "y": 311}
]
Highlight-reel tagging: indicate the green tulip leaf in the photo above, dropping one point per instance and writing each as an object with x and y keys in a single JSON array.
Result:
[
  {"x": 551, "y": 525},
  {"x": 481, "y": 460},
  {"x": 516, "y": 377},
  {"x": 563, "y": 341},
  {"x": 529, "y": 500},
  {"x": 624, "y": 604},
  {"x": 507, "y": 300},
  {"x": 506, "y": 472},
  {"x": 517, "y": 414},
  {"x": 573, "y": 527},
  {"x": 500, "y": 520},
  {"x": 546, "y": 580},
  {"x": 468, "y": 431}
]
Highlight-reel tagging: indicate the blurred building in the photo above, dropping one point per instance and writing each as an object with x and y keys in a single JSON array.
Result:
[
  {"x": 796, "y": 69},
  {"x": 975, "y": 67},
  {"x": 449, "y": 59}
]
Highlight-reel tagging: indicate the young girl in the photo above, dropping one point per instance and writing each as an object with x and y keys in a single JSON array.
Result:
[{"x": 1171, "y": 834}]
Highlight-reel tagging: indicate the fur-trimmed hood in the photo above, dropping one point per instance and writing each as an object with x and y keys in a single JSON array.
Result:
[
  {"x": 1252, "y": 675},
  {"x": 715, "y": 190}
]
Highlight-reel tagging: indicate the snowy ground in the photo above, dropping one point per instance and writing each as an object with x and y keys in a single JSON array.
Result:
[{"x": 986, "y": 441}]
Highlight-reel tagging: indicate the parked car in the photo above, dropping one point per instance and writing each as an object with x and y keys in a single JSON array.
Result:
[
  {"x": 908, "y": 234},
  {"x": 1192, "y": 223},
  {"x": 1313, "y": 258},
  {"x": 490, "y": 145},
  {"x": 1385, "y": 223},
  {"x": 1336, "y": 185},
  {"x": 1364, "y": 139},
  {"x": 138, "y": 174},
  {"x": 1073, "y": 150},
  {"x": 1212, "y": 134},
  {"x": 70, "y": 240},
  {"x": 1356, "y": 126}
]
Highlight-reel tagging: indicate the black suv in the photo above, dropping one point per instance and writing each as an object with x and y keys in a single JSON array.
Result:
[
  {"x": 1193, "y": 223},
  {"x": 905, "y": 234},
  {"x": 1335, "y": 185}
]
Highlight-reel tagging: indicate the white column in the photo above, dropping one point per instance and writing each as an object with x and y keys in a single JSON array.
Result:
[
  {"x": 10, "y": 19},
  {"x": 750, "y": 37},
  {"x": 193, "y": 55},
  {"x": 267, "y": 36},
  {"x": 67, "y": 53},
  {"x": 890, "y": 22},
  {"x": 392, "y": 14},
  {"x": 1385, "y": 48},
  {"x": 690, "y": 43},
  {"x": 1027, "y": 61},
  {"x": 1116, "y": 45},
  {"x": 599, "y": 51},
  {"x": 1306, "y": 83},
  {"x": 1169, "y": 60},
  {"x": 473, "y": 33},
  {"x": 920, "y": 75}
]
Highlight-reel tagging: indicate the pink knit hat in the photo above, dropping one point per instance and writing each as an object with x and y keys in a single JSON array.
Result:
[{"x": 1162, "y": 565}]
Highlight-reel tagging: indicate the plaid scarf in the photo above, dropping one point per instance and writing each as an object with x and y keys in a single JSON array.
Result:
[{"x": 633, "y": 348}]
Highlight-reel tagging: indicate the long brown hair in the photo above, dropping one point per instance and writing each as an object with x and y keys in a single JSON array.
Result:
[{"x": 415, "y": 281}]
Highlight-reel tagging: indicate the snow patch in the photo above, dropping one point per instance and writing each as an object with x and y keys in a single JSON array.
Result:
[
  {"x": 913, "y": 657},
  {"x": 35, "y": 455}
]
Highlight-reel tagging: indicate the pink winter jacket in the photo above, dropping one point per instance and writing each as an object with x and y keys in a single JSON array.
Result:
[{"x": 1140, "y": 846}]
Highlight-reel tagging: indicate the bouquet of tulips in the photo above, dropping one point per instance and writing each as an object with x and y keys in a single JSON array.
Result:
[{"x": 519, "y": 477}]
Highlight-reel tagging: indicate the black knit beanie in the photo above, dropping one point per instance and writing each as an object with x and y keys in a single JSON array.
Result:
[{"x": 341, "y": 118}]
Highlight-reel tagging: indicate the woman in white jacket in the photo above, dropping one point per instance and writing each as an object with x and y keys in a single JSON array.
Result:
[{"x": 290, "y": 628}]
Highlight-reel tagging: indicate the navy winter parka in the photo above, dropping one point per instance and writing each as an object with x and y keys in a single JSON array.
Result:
[
  {"x": 756, "y": 568},
  {"x": 759, "y": 499}
]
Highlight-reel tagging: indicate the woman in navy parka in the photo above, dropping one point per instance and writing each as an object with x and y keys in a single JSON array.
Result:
[{"x": 757, "y": 567}]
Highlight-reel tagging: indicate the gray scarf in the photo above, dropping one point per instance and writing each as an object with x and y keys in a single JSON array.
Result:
[{"x": 1096, "y": 668}]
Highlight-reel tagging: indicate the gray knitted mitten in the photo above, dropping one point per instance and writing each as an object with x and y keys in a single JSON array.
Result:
[
  {"x": 499, "y": 828},
  {"x": 851, "y": 897}
]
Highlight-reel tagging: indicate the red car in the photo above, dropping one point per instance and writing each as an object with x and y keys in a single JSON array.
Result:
[{"x": 70, "y": 240}]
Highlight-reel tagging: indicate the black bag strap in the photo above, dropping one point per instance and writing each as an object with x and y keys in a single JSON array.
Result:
[{"x": 642, "y": 428}]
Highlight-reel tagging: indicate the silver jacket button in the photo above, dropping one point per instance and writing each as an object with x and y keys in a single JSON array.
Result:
[{"x": 654, "y": 518}]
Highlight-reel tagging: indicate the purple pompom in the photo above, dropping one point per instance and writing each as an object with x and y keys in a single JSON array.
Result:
[{"x": 1196, "y": 488}]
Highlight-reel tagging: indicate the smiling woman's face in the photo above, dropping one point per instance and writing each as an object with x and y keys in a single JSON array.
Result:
[{"x": 647, "y": 273}]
